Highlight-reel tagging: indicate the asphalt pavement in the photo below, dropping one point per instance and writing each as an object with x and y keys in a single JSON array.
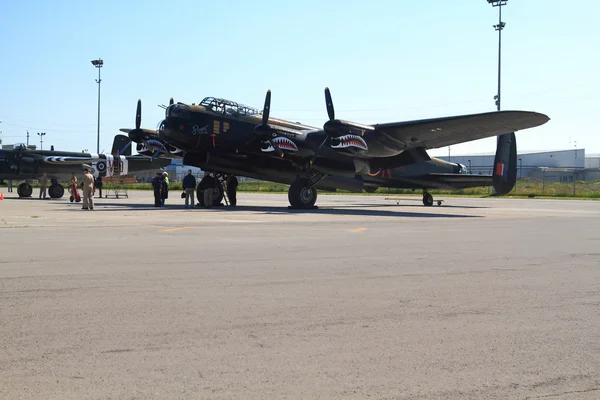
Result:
[{"x": 364, "y": 297}]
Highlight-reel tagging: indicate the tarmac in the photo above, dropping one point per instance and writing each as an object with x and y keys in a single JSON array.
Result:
[{"x": 489, "y": 298}]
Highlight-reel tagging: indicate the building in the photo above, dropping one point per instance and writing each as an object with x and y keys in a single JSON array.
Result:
[
  {"x": 557, "y": 165},
  {"x": 592, "y": 167}
]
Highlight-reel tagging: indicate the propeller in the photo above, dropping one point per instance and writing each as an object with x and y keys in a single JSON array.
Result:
[
  {"x": 264, "y": 131},
  {"x": 331, "y": 114},
  {"x": 139, "y": 135},
  {"x": 171, "y": 102}
]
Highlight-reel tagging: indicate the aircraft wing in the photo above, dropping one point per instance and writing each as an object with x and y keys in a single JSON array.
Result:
[{"x": 441, "y": 132}]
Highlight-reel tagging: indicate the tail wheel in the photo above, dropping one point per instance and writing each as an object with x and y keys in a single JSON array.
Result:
[
  {"x": 427, "y": 199},
  {"x": 301, "y": 194}
]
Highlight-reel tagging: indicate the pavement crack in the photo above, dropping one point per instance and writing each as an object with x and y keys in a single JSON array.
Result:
[{"x": 547, "y": 396}]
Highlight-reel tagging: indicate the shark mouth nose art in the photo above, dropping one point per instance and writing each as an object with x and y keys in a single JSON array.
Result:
[
  {"x": 283, "y": 143},
  {"x": 346, "y": 141}
]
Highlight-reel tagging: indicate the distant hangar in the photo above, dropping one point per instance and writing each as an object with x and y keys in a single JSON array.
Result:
[{"x": 556, "y": 165}]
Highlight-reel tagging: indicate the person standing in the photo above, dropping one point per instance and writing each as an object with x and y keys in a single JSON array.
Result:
[
  {"x": 232, "y": 184},
  {"x": 98, "y": 185},
  {"x": 189, "y": 184},
  {"x": 157, "y": 187},
  {"x": 164, "y": 193},
  {"x": 88, "y": 190},
  {"x": 43, "y": 183}
]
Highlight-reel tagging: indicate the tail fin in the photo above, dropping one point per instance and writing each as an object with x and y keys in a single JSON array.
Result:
[
  {"x": 505, "y": 164},
  {"x": 121, "y": 145}
]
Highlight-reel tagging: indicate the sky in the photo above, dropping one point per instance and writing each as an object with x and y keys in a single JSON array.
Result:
[{"x": 384, "y": 61}]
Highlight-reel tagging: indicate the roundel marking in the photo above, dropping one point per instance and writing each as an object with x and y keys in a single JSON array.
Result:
[{"x": 101, "y": 166}]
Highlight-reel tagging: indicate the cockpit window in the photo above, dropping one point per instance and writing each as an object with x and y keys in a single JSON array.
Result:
[{"x": 227, "y": 107}]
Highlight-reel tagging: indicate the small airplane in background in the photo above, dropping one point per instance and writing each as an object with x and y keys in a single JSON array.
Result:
[
  {"x": 23, "y": 164},
  {"x": 225, "y": 138}
]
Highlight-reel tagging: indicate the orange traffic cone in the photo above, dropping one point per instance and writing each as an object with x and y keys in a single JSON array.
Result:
[{"x": 1, "y": 196}]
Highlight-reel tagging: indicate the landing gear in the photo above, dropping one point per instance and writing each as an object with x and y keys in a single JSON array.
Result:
[
  {"x": 56, "y": 191},
  {"x": 302, "y": 194},
  {"x": 212, "y": 183},
  {"x": 24, "y": 190},
  {"x": 427, "y": 199}
]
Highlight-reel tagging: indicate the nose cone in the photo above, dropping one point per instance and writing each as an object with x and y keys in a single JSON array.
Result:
[{"x": 178, "y": 134}]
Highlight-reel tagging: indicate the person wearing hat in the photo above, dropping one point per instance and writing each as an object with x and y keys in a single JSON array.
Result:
[
  {"x": 88, "y": 190},
  {"x": 164, "y": 188}
]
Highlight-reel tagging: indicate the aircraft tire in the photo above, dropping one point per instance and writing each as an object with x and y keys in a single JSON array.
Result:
[
  {"x": 301, "y": 194},
  {"x": 24, "y": 190},
  {"x": 427, "y": 200},
  {"x": 209, "y": 181},
  {"x": 56, "y": 191}
]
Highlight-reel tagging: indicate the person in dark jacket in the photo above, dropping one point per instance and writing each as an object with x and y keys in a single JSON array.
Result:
[
  {"x": 98, "y": 185},
  {"x": 189, "y": 184},
  {"x": 232, "y": 184},
  {"x": 164, "y": 192},
  {"x": 157, "y": 186}
]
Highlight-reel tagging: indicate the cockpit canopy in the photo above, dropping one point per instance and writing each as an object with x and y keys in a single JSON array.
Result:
[{"x": 228, "y": 107}]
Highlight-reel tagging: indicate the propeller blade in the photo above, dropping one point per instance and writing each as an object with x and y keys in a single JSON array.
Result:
[
  {"x": 171, "y": 102},
  {"x": 267, "y": 108},
  {"x": 138, "y": 114},
  {"x": 155, "y": 154},
  {"x": 318, "y": 149},
  {"x": 329, "y": 104}
]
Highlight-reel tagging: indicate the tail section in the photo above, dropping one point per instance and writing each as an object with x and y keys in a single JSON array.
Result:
[
  {"x": 505, "y": 164},
  {"x": 121, "y": 145}
]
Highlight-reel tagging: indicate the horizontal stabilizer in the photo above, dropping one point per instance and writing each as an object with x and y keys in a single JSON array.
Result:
[{"x": 505, "y": 164}]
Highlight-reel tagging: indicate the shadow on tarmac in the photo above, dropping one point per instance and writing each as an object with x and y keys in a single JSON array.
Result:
[{"x": 329, "y": 210}]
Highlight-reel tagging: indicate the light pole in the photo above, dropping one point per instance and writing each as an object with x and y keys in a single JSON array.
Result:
[
  {"x": 520, "y": 167},
  {"x": 41, "y": 135},
  {"x": 499, "y": 28},
  {"x": 470, "y": 170},
  {"x": 98, "y": 64}
]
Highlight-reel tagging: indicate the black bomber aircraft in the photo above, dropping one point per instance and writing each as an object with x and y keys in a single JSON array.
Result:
[
  {"x": 23, "y": 164},
  {"x": 225, "y": 138}
]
